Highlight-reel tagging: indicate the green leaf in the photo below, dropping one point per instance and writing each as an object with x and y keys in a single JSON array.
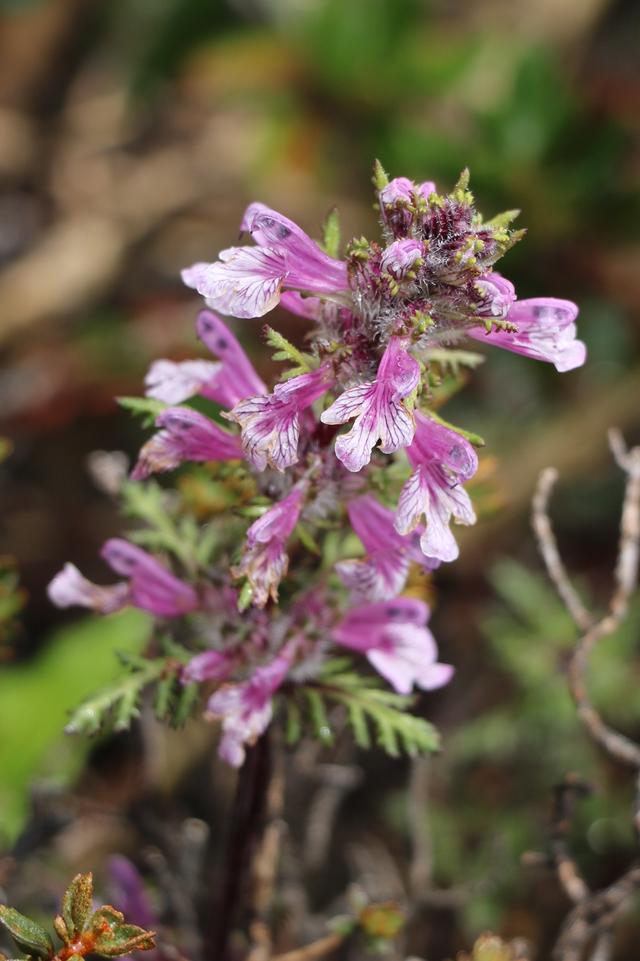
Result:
[
  {"x": 331, "y": 233},
  {"x": 287, "y": 352},
  {"x": 293, "y": 728},
  {"x": 114, "y": 937},
  {"x": 147, "y": 408},
  {"x": 28, "y": 935},
  {"x": 118, "y": 703},
  {"x": 396, "y": 730},
  {"x": 318, "y": 712},
  {"x": 452, "y": 360},
  {"x": 380, "y": 176},
  {"x": 77, "y": 903},
  {"x": 244, "y": 597}
]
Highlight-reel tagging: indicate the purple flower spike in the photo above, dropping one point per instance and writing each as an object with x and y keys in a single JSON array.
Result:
[
  {"x": 248, "y": 281},
  {"x": 246, "y": 709},
  {"x": 270, "y": 424},
  {"x": 442, "y": 461},
  {"x": 70, "y": 589},
  {"x": 151, "y": 586},
  {"x": 264, "y": 561},
  {"x": 394, "y": 637},
  {"x": 382, "y": 573},
  {"x": 186, "y": 435},
  {"x": 377, "y": 408},
  {"x": 546, "y": 331}
]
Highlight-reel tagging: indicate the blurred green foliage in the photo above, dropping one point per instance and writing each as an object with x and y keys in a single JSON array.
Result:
[{"x": 37, "y": 696}]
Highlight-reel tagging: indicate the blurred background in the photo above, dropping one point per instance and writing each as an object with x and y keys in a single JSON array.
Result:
[{"x": 132, "y": 136}]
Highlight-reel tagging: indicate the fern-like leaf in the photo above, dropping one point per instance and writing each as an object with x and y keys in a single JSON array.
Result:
[
  {"x": 302, "y": 362},
  {"x": 118, "y": 705}
]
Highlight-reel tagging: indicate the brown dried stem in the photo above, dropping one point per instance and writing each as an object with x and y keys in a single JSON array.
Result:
[{"x": 594, "y": 913}]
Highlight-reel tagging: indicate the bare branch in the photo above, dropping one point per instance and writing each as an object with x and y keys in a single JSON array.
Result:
[
  {"x": 594, "y": 914},
  {"x": 549, "y": 549}
]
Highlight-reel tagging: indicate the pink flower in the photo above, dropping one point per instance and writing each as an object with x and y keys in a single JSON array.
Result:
[
  {"x": 149, "y": 585},
  {"x": 398, "y": 201},
  {"x": 498, "y": 293},
  {"x": 264, "y": 560},
  {"x": 295, "y": 303},
  {"x": 396, "y": 642},
  {"x": 209, "y": 666},
  {"x": 69, "y": 588},
  {"x": 172, "y": 382},
  {"x": 186, "y": 435},
  {"x": 401, "y": 257},
  {"x": 248, "y": 281},
  {"x": 382, "y": 573},
  {"x": 380, "y": 415},
  {"x": 270, "y": 424},
  {"x": 442, "y": 461},
  {"x": 246, "y": 709},
  {"x": 237, "y": 378},
  {"x": 225, "y": 383},
  {"x": 546, "y": 331}
]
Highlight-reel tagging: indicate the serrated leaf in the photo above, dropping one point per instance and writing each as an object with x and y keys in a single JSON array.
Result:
[
  {"x": 287, "y": 352},
  {"x": 387, "y": 712},
  {"x": 77, "y": 903},
  {"x": 31, "y": 937},
  {"x": 453, "y": 359}
]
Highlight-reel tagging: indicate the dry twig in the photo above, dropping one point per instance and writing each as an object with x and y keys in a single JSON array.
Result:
[{"x": 594, "y": 914}]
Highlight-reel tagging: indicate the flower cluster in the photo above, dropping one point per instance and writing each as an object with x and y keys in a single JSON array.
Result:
[{"x": 346, "y": 450}]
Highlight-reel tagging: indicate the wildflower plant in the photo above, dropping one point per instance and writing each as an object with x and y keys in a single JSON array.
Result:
[{"x": 277, "y": 574}]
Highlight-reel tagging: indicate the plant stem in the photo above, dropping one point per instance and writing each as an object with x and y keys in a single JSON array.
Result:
[{"x": 246, "y": 817}]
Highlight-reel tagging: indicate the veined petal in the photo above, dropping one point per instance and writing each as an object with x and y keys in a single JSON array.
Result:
[
  {"x": 377, "y": 577},
  {"x": 377, "y": 407},
  {"x": 245, "y": 281},
  {"x": 270, "y": 424},
  {"x": 413, "y": 502},
  {"x": 349, "y": 404},
  {"x": 546, "y": 331},
  {"x": 310, "y": 267}
]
